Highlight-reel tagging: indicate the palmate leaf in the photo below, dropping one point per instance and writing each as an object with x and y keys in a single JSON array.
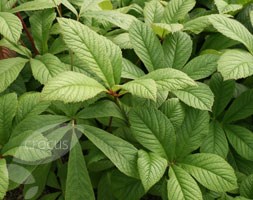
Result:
[
  {"x": 71, "y": 87},
  {"x": 181, "y": 186},
  {"x": 232, "y": 29},
  {"x": 10, "y": 26},
  {"x": 146, "y": 45},
  {"x": 4, "y": 178},
  {"x": 211, "y": 171},
  {"x": 9, "y": 71},
  {"x": 235, "y": 64},
  {"x": 120, "y": 152},
  {"x": 101, "y": 55},
  {"x": 151, "y": 168},
  {"x": 78, "y": 184},
  {"x": 153, "y": 130}
]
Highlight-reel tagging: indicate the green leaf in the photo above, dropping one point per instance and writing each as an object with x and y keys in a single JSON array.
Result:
[
  {"x": 46, "y": 67},
  {"x": 87, "y": 5},
  {"x": 181, "y": 186},
  {"x": 174, "y": 110},
  {"x": 216, "y": 141},
  {"x": 241, "y": 139},
  {"x": 177, "y": 49},
  {"x": 101, "y": 55},
  {"x": 177, "y": 10},
  {"x": 10, "y": 26},
  {"x": 9, "y": 71},
  {"x": 232, "y": 29},
  {"x": 192, "y": 132},
  {"x": 145, "y": 88},
  {"x": 197, "y": 25},
  {"x": 4, "y": 178},
  {"x": 201, "y": 66},
  {"x": 163, "y": 29},
  {"x": 200, "y": 97},
  {"x": 8, "y": 107},
  {"x": 41, "y": 23},
  {"x": 131, "y": 71},
  {"x": 153, "y": 130},
  {"x": 71, "y": 87},
  {"x": 78, "y": 184},
  {"x": 235, "y": 64},
  {"x": 241, "y": 107},
  {"x": 211, "y": 171},
  {"x": 246, "y": 187},
  {"x": 121, "y": 153},
  {"x": 223, "y": 92},
  {"x": 151, "y": 168},
  {"x": 170, "y": 79},
  {"x": 153, "y": 12},
  {"x": 36, "y": 5},
  {"x": 146, "y": 45}
]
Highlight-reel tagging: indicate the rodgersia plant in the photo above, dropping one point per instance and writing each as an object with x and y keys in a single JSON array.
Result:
[{"x": 126, "y": 99}]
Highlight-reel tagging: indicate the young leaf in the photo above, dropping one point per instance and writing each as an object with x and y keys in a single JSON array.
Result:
[
  {"x": 235, "y": 64},
  {"x": 4, "y": 178},
  {"x": 181, "y": 186},
  {"x": 120, "y": 152},
  {"x": 153, "y": 130},
  {"x": 246, "y": 187},
  {"x": 177, "y": 49},
  {"x": 8, "y": 107},
  {"x": 162, "y": 29},
  {"x": 71, "y": 87},
  {"x": 232, "y": 29},
  {"x": 41, "y": 23},
  {"x": 200, "y": 97},
  {"x": 177, "y": 10},
  {"x": 146, "y": 45},
  {"x": 101, "y": 55},
  {"x": 151, "y": 168},
  {"x": 202, "y": 66},
  {"x": 9, "y": 71},
  {"x": 216, "y": 141},
  {"x": 10, "y": 26},
  {"x": 211, "y": 171},
  {"x": 153, "y": 12},
  {"x": 241, "y": 139},
  {"x": 78, "y": 184},
  {"x": 241, "y": 107}
]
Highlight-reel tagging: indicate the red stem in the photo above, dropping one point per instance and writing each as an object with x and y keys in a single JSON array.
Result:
[{"x": 36, "y": 52}]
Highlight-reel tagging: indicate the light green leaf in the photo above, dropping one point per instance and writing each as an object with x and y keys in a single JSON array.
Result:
[
  {"x": 151, "y": 168},
  {"x": 4, "y": 178},
  {"x": 130, "y": 70},
  {"x": 163, "y": 29},
  {"x": 153, "y": 12},
  {"x": 68, "y": 5},
  {"x": 9, "y": 71},
  {"x": 71, "y": 87},
  {"x": 153, "y": 130},
  {"x": 225, "y": 7},
  {"x": 197, "y": 25},
  {"x": 121, "y": 153},
  {"x": 170, "y": 79},
  {"x": 41, "y": 22},
  {"x": 181, "y": 186},
  {"x": 146, "y": 45},
  {"x": 201, "y": 66},
  {"x": 145, "y": 88},
  {"x": 241, "y": 139},
  {"x": 78, "y": 183},
  {"x": 122, "y": 40},
  {"x": 235, "y": 64},
  {"x": 87, "y": 5},
  {"x": 223, "y": 93},
  {"x": 246, "y": 187},
  {"x": 10, "y": 26},
  {"x": 200, "y": 97},
  {"x": 232, "y": 29},
  {"x": 211, "y": 171},
  {"x": 216, "y": 141},
  {"x": 177, "y": 10},
  {"x": 101, "y": 55},
  {"x": 177, "y": 49},
  {"x": 192, "y": 132},
  {"x": 8, "y": 107},
  {"x": 241, "y": 107},
  {"x": 46, "y": 67}
]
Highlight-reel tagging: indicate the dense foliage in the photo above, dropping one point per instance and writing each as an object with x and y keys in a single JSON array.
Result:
[{"x": 126, "y": 99}]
